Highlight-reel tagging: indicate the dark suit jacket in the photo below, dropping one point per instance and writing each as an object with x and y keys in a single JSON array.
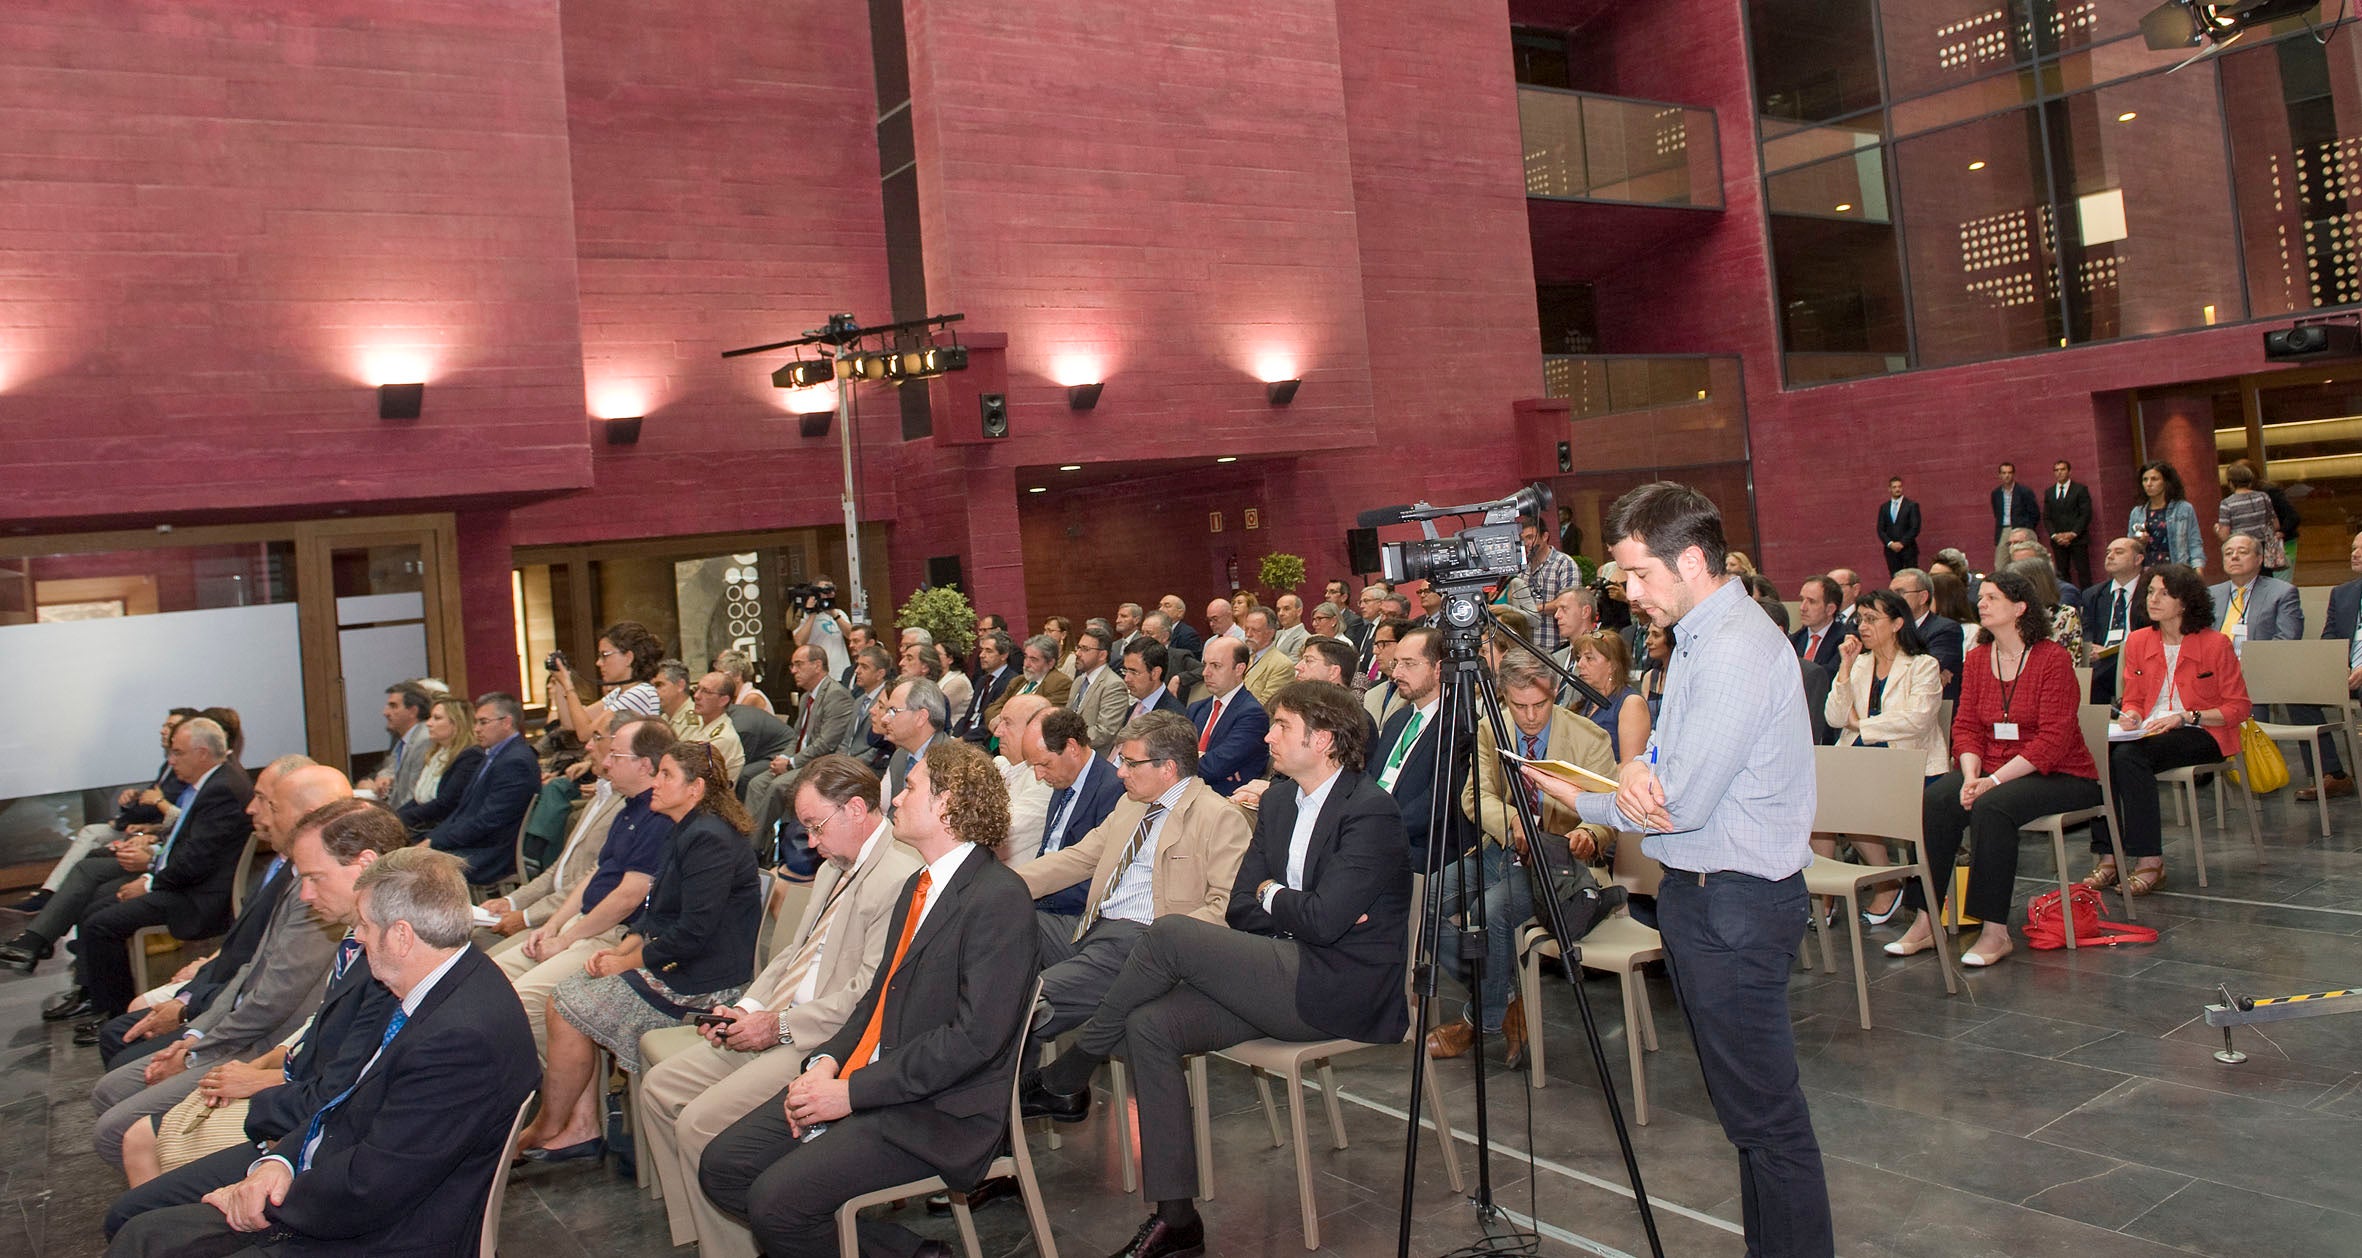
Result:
[
  {"x": 988, "y": 688},
  {"x": 1349, "y": 980},
  {"x": 762, "y": 734},
  {"x": 955, "y": 1013},
  {"x": 1236, "y": 755},
  {"x": 2345, "y": 604},
  {"x": 1414, "y": 786},
  {"x": 2071, "y": 514},
  {"x": 2025, "y": 509},
  {"x": 404, "y": 1163},
  {"x": 421, "y": 817},
  {"x": 1826, "y": 657},
  {"x": 2098, "y": 603},
  {"x": 1816, "y": 700},
  {"x": 1946, "y": 642},
  {"x": 194, "y": 885},
  {"x": 1904, "y": 528},
  {"x": 1101, "y": 789},
  {"x": 237, "y": 947},
  {"x": 705, "y": 909},
  {"x": 483, "y": 830},
  {"x": 1186, "y": 640},
  {"x": 343, "y": 1036}
]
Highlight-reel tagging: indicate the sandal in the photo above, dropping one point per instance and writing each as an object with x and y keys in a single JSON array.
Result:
[
  {"x": 2102, "y": 877},
  {"x": 2144, "y": 881}
]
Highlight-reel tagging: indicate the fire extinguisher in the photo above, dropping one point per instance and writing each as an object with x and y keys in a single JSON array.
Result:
[{"x": 1231, "y": 570}]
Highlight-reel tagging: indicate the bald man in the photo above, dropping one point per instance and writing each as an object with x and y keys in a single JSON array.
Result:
[{"x": 1029, "y": 796}]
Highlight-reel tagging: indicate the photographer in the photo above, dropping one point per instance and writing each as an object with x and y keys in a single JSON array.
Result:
[
  {"x": 628, "y": 655},
  {"x": 818, "y": 623}
]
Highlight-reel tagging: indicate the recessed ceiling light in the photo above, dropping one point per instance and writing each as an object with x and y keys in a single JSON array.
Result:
[
  {"x": 1227, "y": 458},
  {"x": 1039, "y": 489},
  {"x": 1843, "y": 206},
  {"x": 1976, "y": 165},
  {"x": 2127, "y": 116},
  {"x": 1070, "y": 467}
]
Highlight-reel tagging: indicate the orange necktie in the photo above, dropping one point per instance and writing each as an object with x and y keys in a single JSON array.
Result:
[{"x": 868, "y": 1045}]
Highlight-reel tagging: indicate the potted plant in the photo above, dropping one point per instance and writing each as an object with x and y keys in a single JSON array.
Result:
[{"x": 943, "y": 611}]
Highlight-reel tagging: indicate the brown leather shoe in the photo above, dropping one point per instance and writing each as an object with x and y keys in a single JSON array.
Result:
[
  {"x": 1451, "y": 1039},
  {"x": 2338, "y": 786},
  {"x": 1513, "y": 1033}
]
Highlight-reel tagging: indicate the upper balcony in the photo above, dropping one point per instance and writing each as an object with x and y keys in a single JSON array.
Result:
[{"x": 1581, "y": 146}]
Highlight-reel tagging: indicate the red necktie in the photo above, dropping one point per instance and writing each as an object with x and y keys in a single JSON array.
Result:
[
  {"x": 1812, "y": 647},
  {"x": 1206, "y": 736}
]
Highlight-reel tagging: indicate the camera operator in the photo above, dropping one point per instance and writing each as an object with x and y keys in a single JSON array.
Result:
[
  {"x": 628, "y": 655},
  {"x": 817, "y": 622}
]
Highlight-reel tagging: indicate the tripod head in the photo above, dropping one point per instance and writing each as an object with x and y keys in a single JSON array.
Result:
[{"x": 1465, "y": 619}]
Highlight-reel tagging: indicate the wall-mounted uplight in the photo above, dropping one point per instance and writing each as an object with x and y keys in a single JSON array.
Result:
[
  {"x": 622, "y": 431},
  {"x": 401, "y": 401},
  {"x": 1280, "y": 392},
  {"x": 1227, "y": 458},
  {"x": 1083, "y": 397},
  {"x": 1039, "y": 489}
]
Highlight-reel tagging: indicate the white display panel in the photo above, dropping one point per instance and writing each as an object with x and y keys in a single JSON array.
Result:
[{"x": 85, "y": 697}]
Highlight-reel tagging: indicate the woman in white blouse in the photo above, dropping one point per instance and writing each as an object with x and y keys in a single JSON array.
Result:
[{"x": 1889, "y": 693}]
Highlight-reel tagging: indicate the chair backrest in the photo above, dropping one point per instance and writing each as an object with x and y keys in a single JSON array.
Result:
[
  {"x": 2082, "y": 684},
  {"x": 488, "y": 1241},
  {"x": 243, "y": 874},
  {"x": 2309, "y": 670},
  {"x": 1636, "y": 871},
  {"x": 2096, "y": 718},
  {"x": 1869, "y": 791},
  {"x": 783, "y": 907},
  {"x": 2314, "y": 601}
]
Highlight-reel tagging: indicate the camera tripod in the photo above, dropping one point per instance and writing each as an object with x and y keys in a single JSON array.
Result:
[{"x": 1470, "y": 694}]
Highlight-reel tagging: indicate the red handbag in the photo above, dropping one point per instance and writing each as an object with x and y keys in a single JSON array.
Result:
[{"x": 2045, "y": 928}]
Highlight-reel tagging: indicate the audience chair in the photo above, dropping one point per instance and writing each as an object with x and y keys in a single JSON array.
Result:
[
  {"x": 1872, "y": 793},
  {"x": 2307, "y": 673},
  {"x": 1290, "y": 1057},
  {"x": 1618, "y": 946},
  {"x": 489, "y": 1244},
  {"x": 2096, "y": 719},
  {"x": 138, "y": 943},
  {"x": 2082, "y": 684},
  {"x": 2186, "y": 803},
  {"x": 1018, "y": 1161},
  {"x": 1119, "y": 1088}
]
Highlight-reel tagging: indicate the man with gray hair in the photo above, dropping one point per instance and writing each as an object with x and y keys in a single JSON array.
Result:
[
  {"x": 403, "y": 1158},
  {"x": 182, "y": 882},
  {"x": 913, "y": 718}
]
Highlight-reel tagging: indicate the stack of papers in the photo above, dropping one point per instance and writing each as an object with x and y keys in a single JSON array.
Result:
[{"x": 1575, "y": 773}]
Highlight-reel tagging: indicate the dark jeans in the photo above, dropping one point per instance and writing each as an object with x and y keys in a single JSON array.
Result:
[
  {"x": 1730, "y": 943},
  {"x": 1993, "y": 833},
  {"x": 2136, "y": 766},
  {"x": 100, "y": 945},
  {"x": 1504, "y": 895}
]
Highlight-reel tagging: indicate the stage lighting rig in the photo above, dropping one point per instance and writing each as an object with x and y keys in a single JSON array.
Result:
[{"x": 2212, "y": 25}]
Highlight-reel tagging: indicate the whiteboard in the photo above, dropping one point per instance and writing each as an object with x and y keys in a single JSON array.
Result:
[{"x": 87, "y": 695}]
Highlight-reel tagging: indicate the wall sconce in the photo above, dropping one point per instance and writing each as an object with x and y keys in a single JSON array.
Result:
[
  {"x": 1280, "y": 392},
  {"x": 624, "y": 431},
  {"x": 1082, "y": 397},
  {"x": 400, "y": 401},
  {"x": 812, "y": 424}
]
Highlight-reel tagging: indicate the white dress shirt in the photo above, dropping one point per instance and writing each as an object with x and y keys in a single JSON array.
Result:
[
  {"x": 1132, "y": 893},
  {"x": 1308, "y": 806}
]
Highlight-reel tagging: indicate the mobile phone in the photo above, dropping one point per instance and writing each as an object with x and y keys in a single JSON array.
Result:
[{"x": 710, "y": 1019}]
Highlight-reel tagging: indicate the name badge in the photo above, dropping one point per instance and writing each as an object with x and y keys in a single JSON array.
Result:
[{"x": 2005, "y": 731}]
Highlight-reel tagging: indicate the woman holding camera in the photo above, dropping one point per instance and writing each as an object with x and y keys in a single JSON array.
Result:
[{"x": 628, "y": 655}]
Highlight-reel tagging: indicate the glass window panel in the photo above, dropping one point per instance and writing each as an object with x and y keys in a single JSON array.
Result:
[
  {"x": 1840, "y": 288},
  {"x": 2312, "y": 448},
  {"x": 1814, "y": 59},
  {"x": 1959, "y": 104},
  {"x": 2294, "y": 111},
  {"x": 1934, "y": 44},
  {"x": 2145, "y": 204},
  {"x": 1851, "y": 187},
  {"x": 1980, "y": 240},
  {"x": 1812, "y": 144}
]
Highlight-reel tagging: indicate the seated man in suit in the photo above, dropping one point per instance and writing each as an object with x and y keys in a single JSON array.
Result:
[
  {"x": 819, "y": 730},
  {"x": 1817, "y": 604},
  {"x": 1321, "y": 906},
  {"x": 2249, "y": 606},
  {"x": 1145, "y": 679},
  {"x": 183, "y": 882},
  {"x": 801, "y": 998},
  {"x": 1504, "y": 894},
  {"x": 994, "y": 671},
  {"x": 1230, "y": 723},
  {"x": 264, "y": 1003},
  {"x": 873, "y": 675},
  {"x": 1099, "y": 693},
  {"x": 1402, "y": 761},
  {"x": 1038, "y": 674},
  {"x": 916, "y": 1081},
  {"x": 1941, "y": 633},
  {"x": 400, "y": 1162},
  {"x": 483, "y": 830},
  {"x": 1176, "y": 613},
  {"x": 1171, "y": 847},
  {"x": 2342, "y": 620},
  {"x": 1270, "y": 664},
  {"x": 268, "y": 1097},
  {"x": 2112, "y": 609},
  {"x": 1084, "y": 788}
]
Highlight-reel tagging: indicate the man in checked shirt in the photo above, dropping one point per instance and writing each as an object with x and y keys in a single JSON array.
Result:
[{"x": 1724, "y": 797}]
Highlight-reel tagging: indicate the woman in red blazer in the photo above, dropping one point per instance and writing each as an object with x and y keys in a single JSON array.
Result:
[{"x": 2182, "y": 688}]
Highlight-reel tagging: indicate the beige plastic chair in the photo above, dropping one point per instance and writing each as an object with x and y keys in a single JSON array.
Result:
[
  {"x": 1017, "y": 1162},
  {"x": 488, "y": 1241},
  {"x": 138, "y": 943},
  {"x": 2309, "y": 672},
  {"x": 1290, "y": 1057},
  {"x": 2095, "y": 718},
  {"x": 1870, "y": 793},
  {"x": 1618, "y": 946},
  {"x": 2184, "y": 782}
]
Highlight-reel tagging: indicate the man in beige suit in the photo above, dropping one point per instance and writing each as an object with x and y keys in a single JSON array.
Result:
[
  {"x": 1171, "y": 847},
  {"x": 1098, "y": 690},
  {"x": 1040, "y": 676},
  {"x": 1273, "y": 665},
  {"x": 537, "y": 901},
  {"x": 697, "y": 1089}
]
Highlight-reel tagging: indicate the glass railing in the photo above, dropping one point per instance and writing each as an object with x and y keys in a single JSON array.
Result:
[
  {"x": 1632, "y": 411},
  {"x": 1581, "y": 146}
]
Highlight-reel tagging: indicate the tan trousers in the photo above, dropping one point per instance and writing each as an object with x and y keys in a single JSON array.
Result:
[
  {"x": 535, "y": 980},
  {"x": 692, "y": 1094}
]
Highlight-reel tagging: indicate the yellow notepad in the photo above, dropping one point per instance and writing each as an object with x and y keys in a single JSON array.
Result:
[{"x": 1575, "y": 773}]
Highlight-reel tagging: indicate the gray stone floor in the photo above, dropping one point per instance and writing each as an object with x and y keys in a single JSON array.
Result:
[{"x": 2061, "y": 1104}]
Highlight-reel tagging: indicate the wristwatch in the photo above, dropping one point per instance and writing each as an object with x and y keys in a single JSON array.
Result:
[{"x": 2195, "y": 721}]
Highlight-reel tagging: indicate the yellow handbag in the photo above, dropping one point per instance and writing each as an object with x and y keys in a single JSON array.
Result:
[{"x": 2267, "y": 769}]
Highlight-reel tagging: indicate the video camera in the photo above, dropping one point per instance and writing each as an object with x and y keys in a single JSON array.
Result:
[
  {"x": 1471, "y": 559},
  {"x": 813, "y": 597}
]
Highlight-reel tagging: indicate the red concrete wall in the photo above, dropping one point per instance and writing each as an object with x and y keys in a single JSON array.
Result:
[{"x": 214, "y": 216}]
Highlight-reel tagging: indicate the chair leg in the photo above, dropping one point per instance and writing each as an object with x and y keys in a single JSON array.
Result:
[
  {"x": 848, "y": 1238},
  {"x": 1638, "y": 991},
  {"x": 1328, "y": 1092},
  {"x": 1201, "y": 1118},
  {"x": 1821, "y": 937},
  {"x": 631, "y": 1108},
  {"x": 1529, "y": 985},
  {"x": 967, "y": 1221},
  {"x": 2255, "y": 825},
  {"x": 1632, "y": 1038},
  {"x": 1443, "y": 1126},
  {"x": 1303, "y": 1160},
  {"x": 2197, "y": 831},
  {"x": 1030, "y": 1187},
  {"x": 2058, "y": 852},
  {"x": 1121, "y": 1111},
  {"x": 1270, "y": 1107},
  {"x": 1927, "y": 888},
  {"x": 1853, "y": 931},
  {"x": 2321, "y": 777}
]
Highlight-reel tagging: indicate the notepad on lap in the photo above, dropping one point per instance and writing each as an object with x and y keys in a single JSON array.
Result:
[{"x": 1575, "y": 773}]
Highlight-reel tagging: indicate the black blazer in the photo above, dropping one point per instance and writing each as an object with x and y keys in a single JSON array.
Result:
[
  {"x": 705, "y": 909},
  {"x": 342, "y": 1037},
  {"x": 762, "y": 734},
  {"x": 2025, "y": 510},
  {"x": 194, "y": 885},
  {"x": 483, "y": 830},
  {"x": 422, "y": 816},
  {"x": 1237, "y": 754},
  {"x": 955, "y": 1018},
  {"x": 1903, "y": 528},
  {"x": 404, "y": 1163},
  {"x": 2345, "y": 606},
  {"x": 1945, "y": 641},
  {"x": 1349, "y": 980},
  {"x": 1826, "y": 657},
  {"x": 1185, "y": 640},
  {"x": 2071, "y": 514},
  {"x": 970, "y": 723},
  {"x": 1101, "y": 790},
  {"x": 1816, "y": 700},
  {"x": 1414, "y": 786},
  {"x": 2098, "y": 604},
  {"x": 237, "y": 947}
]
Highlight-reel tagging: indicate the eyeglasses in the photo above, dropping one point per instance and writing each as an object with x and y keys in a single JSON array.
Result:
[
  {"x": 1129, "y": 763},
  {"x": 814, "y": 827},
  {"x": 483, "y": 721}
]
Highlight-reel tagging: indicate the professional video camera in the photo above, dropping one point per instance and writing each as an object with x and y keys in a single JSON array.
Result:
[
  {"x": 1471, "y": 559},
  {"x": 811, "y": 598}
]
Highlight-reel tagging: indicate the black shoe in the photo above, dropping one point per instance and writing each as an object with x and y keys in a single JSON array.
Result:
[
  {"x": 1159, "y": 1239},
  {"x": 992, "y": 1190},
  {"x": 86, "y": 1033},
  {"x": 1036, "y": 1101},
  {"x": 35, "y": 902},
  {"x": 26, "y": 951},
  {"x": 71, "y": 1005},
  {"x": 581, "y": 1151}
]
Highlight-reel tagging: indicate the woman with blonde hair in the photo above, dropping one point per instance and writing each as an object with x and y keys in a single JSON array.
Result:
[{"x": 449, "y": 767}]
